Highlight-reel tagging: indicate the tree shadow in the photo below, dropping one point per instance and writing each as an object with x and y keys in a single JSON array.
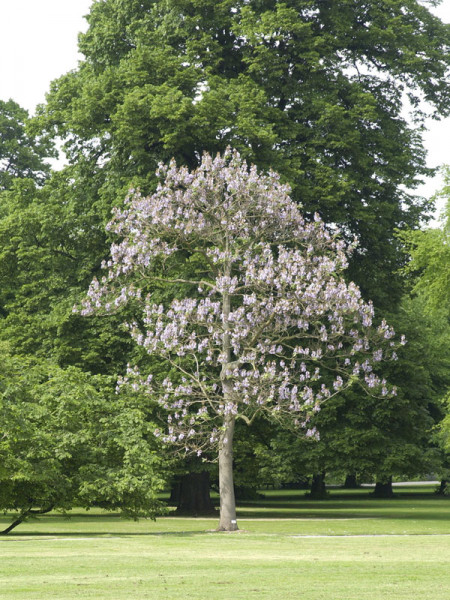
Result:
[
  {"x": 417, "y": 506},
  {"x": 404, "y": 504},
  {"x": 55, "y": 536}
]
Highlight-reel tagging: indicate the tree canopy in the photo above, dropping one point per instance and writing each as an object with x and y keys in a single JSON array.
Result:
[
  {"x": 66, "y": 439},
  {"x": 429, "y": 276},
  {"x": 309, "y": 88},
  {"x": 52, "y": 242},
  {"x": 22, "y": 152}
]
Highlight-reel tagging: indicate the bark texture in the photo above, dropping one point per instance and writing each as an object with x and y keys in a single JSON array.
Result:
[
  {"x": 443, "y": 488},
  {"x": 228, "y": 521}
]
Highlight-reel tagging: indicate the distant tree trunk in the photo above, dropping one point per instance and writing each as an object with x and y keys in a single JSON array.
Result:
[
  {"x": 383, "y": 488},
  {"x": 175, "y": 492},
  {"x": 190, "y": 493},
  {"x": 443, "y": 488},
  {"x": 351, "y": 482},
  {"x": 228, "y": 520},
  {"x": 318, "y": 490}
]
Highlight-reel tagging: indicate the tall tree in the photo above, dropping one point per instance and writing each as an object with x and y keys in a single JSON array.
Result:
[
  {"x": 310, "y": 88},
  {"x": 272, "y": 328},
  {"x": 22, "y": 152}
]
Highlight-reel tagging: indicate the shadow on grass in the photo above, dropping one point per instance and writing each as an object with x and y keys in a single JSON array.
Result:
[
  {"x": 339, "y": 515},
  {"x": 421, "y": 505},
  {"x": 23, "y": 536},
  {"x": 406, "y": 505},
  {"x": 363, "y": 496}
]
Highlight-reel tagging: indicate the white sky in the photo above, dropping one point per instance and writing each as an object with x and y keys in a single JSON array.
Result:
[{"x": 38, "y": 43}]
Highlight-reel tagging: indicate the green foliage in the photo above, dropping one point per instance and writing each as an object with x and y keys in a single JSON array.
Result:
[
  {"x": 444, "y": 433},
  {"x": 66, "y": 439},
  {"x": 312, "y": 89},
  {"x": 429, "y": 252},
  {"x": 22, "y": 152},
  {"x": 51, "y": 243},
  {"x": 428, "y": 271}
]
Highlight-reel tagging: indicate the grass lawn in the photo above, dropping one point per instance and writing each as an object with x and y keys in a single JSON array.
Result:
[{"x": 350, "y": 547}]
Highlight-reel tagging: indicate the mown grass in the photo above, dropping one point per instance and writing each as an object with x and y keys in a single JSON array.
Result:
[{"x": 360, "y": 548}]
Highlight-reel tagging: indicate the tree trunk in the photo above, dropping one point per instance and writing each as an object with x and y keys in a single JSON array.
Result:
[
  {"x": 228, "y": 520},
  {"x": 24, "y": 516},
  {"x": 318, "y": 490},
  {"x": 175, "y": 492},
  {"x": 20, "y": 519},
  {"x": 443, "y": 488},
  {"x": 226, "y": 485},
  {"x": 351, "y": 482},
  {"x": 383, "y": 488},
  {"x": 190, "y": 493}
]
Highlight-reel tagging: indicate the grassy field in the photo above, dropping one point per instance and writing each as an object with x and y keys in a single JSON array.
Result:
[{"x": 350, "y": 547}]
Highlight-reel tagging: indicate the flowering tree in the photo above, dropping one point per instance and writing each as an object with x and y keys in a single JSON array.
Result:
[{"x": 255, "y": 316}]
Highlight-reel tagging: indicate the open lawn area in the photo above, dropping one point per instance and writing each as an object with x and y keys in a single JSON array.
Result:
[{"x": 349, "y": 547}]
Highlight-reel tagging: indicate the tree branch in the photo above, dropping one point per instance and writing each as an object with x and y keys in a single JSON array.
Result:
[{"x": 23, "y": 517}]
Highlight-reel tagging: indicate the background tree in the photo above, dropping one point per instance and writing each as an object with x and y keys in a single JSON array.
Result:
[
  {"x": 273, "y": 328},
  {"x": 385, "y": 438},
  {"x": 22, "y": 152},
  {"x": 312, "y": 89},
  {"x": 52, "y": 242},
  {"x": 66, "y": 439}
]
